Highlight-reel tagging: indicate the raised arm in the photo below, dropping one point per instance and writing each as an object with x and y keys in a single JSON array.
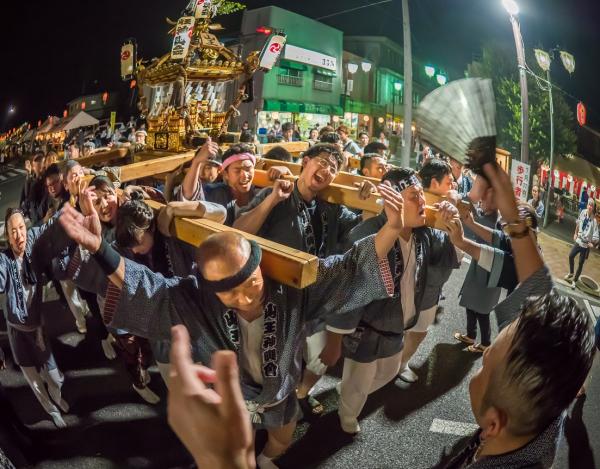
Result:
[
  {"x": 202, "y": 209},
  {"x": 528, "y": 259},
  {"x": 483, "y": 232},
  {"x": 255, "y": 215},
  {"x": 191, "y": 181}
]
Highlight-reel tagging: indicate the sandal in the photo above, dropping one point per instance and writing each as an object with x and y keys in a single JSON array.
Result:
[
  {"x": 465, "y": 339},
  {"x": 311, "y": 407},
  {"x": 477, "y": 348}
]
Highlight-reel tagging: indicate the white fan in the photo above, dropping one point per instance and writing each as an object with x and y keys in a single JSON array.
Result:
[{"x": 459, "y": 119}]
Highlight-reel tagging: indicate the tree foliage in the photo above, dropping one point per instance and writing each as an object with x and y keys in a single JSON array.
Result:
[
  {"x": 225, "y": 7},
  {"x": 498, "y": 62}
]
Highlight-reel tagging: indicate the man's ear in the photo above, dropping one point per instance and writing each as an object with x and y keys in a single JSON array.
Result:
[
  {"x": 305, "y": 161},
  {"x": 493, "y": 422},
  {"x": 365, "y": 172}
]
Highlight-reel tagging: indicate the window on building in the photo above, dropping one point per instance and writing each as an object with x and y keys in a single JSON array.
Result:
[
  {"x": 290, "y": 77},
  {"x": 416, "y": 99},
  {"x": 323, "y": 82}
]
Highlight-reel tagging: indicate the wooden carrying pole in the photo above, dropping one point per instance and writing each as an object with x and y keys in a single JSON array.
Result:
[
  {"x": 102, "y": 157},
  {"x": 283, "y": 264},
  {"x": 151, "y": 167}
]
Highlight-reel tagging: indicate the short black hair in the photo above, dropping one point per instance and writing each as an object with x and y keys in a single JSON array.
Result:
[
  {"x": 366, "y": 159},
  {"x": 278, "y": 153},
  {"x": 134, "y": 218},
  {"x": 550, "y": 356},
  {"x": 363, "y": 133},
  {"x": 330, "y": 148},
  {"x": 246, "y": 136},
  {"x": 102, "y": 183},
  {"x": 434, "y": 169},
  {"x": 375, "y": 147},
  {"x": 39, "y": 157},
  {"x": 52, "y": 170},
  {"x": 330, "y": 137},
  {"x": 394, "y": 176},
  {"x": 287, "y": 126}
]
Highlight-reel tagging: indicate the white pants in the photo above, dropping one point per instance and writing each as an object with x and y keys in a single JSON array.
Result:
[
  {"x": 77, "y": 305},
  {"x": 426, "y": 319},
  {"x": 36, "y": 380},
  {"x": 313, "y": 347},
  {"x": 361, "y": 379}
]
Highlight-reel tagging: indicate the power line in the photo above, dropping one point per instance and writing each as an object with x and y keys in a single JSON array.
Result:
[{"x": 353, "y": 9}]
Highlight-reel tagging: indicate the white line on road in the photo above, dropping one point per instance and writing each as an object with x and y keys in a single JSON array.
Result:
[
  {"x": 450, "y": 427},
  {"x": 590, "y": 309},
  {"x": 3, "y": 178}
]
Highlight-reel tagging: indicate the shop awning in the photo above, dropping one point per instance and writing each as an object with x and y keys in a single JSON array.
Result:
[
  {"x": 298, "y": 107},
  {"x": 578, "y": 168},
  {"x": 293, "y": 65},
  {"x": 82, "y": 119}
]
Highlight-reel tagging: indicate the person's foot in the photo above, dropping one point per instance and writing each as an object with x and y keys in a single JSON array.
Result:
[
  {"x": 569, "y": 277},
  {"x": 147, "y": 394},
  {"x": 108, "y": 349},
  {"x": 264, "y": 462},
  {"x": 349, "y": 425},
  {"x": 465, "y": 339},
  {"x": 81, "y": 325},
  {"x": 57, "y": 419},
  {"x": 310, "y": 407},
  {"x": 407, "y": 375},
  {"x": 477, "y": 348}
]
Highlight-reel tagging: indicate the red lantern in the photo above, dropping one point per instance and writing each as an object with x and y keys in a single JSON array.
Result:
[
  {"x": 581, "y": 114},
  {"x": 65, "y": 113},
  {"x": 28, "y": 126},
  {"x": 132, "y": 84},
  {"x": 40, "y": 123},
  {"x": 83, "y": 105},
  {"x": 105, "y": 97}
]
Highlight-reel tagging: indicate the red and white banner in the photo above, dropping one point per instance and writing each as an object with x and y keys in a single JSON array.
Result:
[
  {"x": 520, "y": 174},
  {"x": 127, "y": 60},
  {"x": 183, "y": 37},
  {"x": 272, "y": 51}
]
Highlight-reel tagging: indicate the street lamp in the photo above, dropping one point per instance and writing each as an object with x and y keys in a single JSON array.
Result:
[
  {"x": 397, "y": 89},
  {"x": 11, "y": 110},
  {"x": 429, "y": 71},
  {"x": 513, "y": 10},
  {"x": 352, "y": 68},
  {"x": 441, "y": 79},
  {"x": 366, "y": 67},
  {"x": 511, "y": 7},
  {"x": 544, "y": 60}
]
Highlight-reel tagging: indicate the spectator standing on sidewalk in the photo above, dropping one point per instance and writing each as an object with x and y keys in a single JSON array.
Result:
[{"x": 585, "y": 237}]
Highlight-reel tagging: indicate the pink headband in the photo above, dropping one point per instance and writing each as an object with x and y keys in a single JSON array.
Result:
[{"x": 238, "y": 157}]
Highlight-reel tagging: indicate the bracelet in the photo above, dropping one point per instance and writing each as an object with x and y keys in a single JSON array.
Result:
[{"x": 107, "y": 258}]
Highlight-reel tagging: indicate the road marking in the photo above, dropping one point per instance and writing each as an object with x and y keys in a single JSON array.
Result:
[
  {"x": 3, "y": 178},
  {"x": 450, "y": 427},
  {"x": 590, "y": 309}
]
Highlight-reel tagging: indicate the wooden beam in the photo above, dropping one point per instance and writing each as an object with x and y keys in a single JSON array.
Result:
[
  {"x": 343, "y": 178},
  {"x": 335, "y": 193},
  {"x": 295, "y": 148},
  {"x": 283, "y": 264},
  {"x": 102, "y": 157},
  {"x": 432, "y": 214},
  {"x": 157, "y": 166}
]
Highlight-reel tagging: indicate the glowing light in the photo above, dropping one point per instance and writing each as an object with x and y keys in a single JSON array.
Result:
[
  {"x": 442, "y": 79},
  {"x": 366, "y": 67},
  {"x": 511, "y": 7},
  {"x": 366, "y": 118},
  {"x": 397, "y": 86},
  {"x": 381, "y": 120},
  {"x": 429, "y": 71},
  {"x": 352, "y": 68}
]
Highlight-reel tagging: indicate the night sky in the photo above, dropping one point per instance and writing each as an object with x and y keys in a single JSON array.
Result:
[{"x": 52, "y": 51}]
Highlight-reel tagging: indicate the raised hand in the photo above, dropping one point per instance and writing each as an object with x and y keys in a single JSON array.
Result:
[
  {"x": 503, "y": 191},
  {"x": 278, "y": 172},
  {"x": 365, "y": 189},
  {"x": 447, "y": 211},
  {"x": 87, "y": 199},
  {"x": 282, "y": 189},
  {"x": 455, "y": 231},
  {"x": 84, "y": 230},
  {"x": 208, "y": 151},
  {"x": 393, "y": 204},
  {"x": 214, "y": 425}
]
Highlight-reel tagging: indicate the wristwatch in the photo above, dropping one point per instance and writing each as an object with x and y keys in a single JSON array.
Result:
[{"x": 516, "y": 230}]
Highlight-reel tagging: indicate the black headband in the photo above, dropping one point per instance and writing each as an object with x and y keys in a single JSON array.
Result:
[
  {"x": 406, "y": 182},
  {"x": 229, "y": 283}
]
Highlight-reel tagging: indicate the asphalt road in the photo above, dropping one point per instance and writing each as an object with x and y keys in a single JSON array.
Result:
[{"x": 403, "y": 426}]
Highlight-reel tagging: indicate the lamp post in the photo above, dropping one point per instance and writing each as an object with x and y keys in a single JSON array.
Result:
[
  {"x": 544, "y": 60},
  {"x": 408, "y": 85},
  {"x": 396, "y": 92},
  {"x": 513, "y": 10}
]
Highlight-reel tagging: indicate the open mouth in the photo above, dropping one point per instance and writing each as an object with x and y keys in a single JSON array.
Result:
[{"x": 318, "y": 178}]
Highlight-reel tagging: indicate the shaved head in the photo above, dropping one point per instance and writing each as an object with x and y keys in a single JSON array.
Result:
[{"x": 222, "y": 255}]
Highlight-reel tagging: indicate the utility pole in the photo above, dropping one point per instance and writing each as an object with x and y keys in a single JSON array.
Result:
[
  {"x": 408, "y": 86},
  {"x": 549, "y": 191}
]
